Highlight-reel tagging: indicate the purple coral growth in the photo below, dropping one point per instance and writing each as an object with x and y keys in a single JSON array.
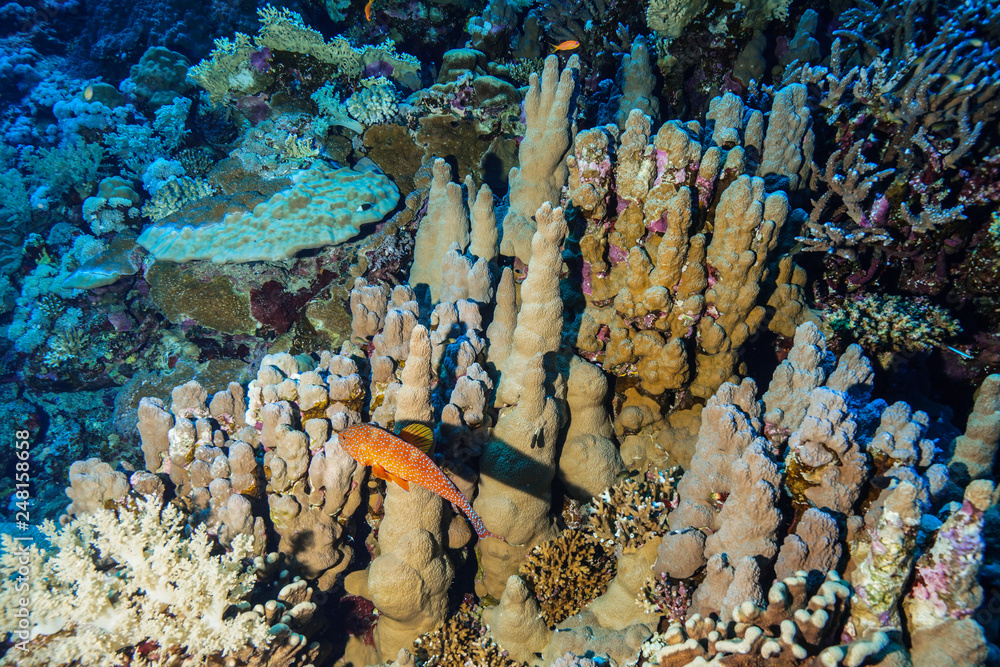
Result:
[
  {"x": 955, "y": 557},
  {"x": 379, "y": 68},
  {"x": 261, "y": 60},
  {"x": 254, "y": 107},
  {"x": 669, "y": 599},
  {"x": 120, "y": 321},
  {"x": 660, "y": 224},
  {"x": 588, "y": 279}
]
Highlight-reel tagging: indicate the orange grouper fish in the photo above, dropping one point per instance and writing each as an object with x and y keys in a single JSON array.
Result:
[{"x": 398, "y": 459}]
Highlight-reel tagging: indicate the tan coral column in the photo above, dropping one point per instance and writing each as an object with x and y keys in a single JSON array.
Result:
[
  {"x": 540, "y": 319},
  {"x": 542, "y": 171},
  {"x": 408, "y": 582},
  {"x": 516, "y": 471}
]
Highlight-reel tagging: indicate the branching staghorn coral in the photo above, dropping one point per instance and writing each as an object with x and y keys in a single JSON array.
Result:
[
  {"x": 850, "y": 178},
  {"x": 627, "y": 514},
  {"x": 566, "y": 573},
  {"x": 927, "y": 99},
  {"x": 886, "y": 324}
]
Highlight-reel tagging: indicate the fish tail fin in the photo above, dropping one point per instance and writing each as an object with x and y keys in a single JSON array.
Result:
[
  {"x": 482, "y": 532},
  {"x": 504, "y": 540},
  {"x": 487, "y": 533}
]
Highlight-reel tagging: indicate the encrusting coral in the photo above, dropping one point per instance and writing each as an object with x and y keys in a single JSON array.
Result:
[{"x": 322, "y": 206}]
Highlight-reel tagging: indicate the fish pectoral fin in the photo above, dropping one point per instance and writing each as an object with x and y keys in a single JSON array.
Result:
[
  {"x": 382, "y": 473},
  {"x": 420, "y": 436}
]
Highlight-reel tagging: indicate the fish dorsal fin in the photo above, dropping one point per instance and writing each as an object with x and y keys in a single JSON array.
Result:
[{"x": 420, "y": 436}]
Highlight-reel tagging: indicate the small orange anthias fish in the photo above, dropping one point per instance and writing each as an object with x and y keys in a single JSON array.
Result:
[
  {"x": 400, "y": 459},
  {"x": 368, "y": 11},
  {"x": 568, "y": 45}
]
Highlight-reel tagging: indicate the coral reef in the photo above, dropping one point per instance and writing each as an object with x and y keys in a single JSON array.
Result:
[{"x": 688, "y": 307}]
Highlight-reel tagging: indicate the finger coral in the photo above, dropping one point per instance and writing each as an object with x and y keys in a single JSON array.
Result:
[{"x": 566, "y": 573}]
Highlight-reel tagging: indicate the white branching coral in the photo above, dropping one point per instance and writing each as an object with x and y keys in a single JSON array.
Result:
[
  {"x": 374, "y": 101},
  {"x": 115, "y": 579}
]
